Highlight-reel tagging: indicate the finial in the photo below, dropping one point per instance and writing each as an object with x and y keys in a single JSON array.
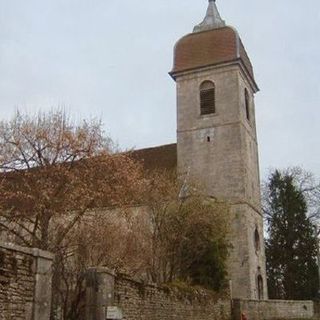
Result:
[{"x": 212, "y": 19}]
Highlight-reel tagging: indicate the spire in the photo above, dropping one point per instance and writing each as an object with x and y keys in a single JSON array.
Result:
[{"x": 212, "y": 19}]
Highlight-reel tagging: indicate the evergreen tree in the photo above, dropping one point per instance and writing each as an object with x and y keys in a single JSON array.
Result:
[{"x": 291, "y": 247}]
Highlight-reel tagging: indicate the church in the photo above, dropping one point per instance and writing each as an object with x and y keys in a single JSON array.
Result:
[
  {"x": 217, "y": 147},
  {"x": 217, "y": 140}
]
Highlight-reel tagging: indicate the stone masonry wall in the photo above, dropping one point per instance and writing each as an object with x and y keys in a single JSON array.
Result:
[
  {"x": 139, "y": 301},
  {"x": 146, "y": 302},
  {"x": 25, "y": 283},
  {"x": 274, "y": 309},
  {"x": 220, "y": 151}
]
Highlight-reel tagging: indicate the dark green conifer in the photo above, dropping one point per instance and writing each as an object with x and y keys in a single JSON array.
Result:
[{"x": 291, "y": 247}]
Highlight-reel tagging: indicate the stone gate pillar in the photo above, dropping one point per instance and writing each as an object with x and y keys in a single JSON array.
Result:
[
  {"x": 43, "y": 285},
  {"x": 99, "y": 292}
]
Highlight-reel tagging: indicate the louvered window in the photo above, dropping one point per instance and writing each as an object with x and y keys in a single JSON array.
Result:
[
  {"x": 207, "y": 98},
  {"x": 247, "y": 102}
]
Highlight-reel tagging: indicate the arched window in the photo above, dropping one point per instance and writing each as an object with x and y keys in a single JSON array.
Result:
[
  {"x": 260, "y": 287},
  {"x": 256, "y": 240},
  {"x": 207, "y": 98},
  {"x": 247, "y": 103}
]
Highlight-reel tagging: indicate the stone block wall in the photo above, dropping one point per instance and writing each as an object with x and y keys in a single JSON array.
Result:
[
  {"x": 274, "y": 309},
  {"x": 139, "y": 301},
  {"x": 25, "y": 283},
  {"x": 220, "y": 151}
]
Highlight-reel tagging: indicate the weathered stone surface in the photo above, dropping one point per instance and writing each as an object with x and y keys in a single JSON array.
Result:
[
  {"x": 25, "y": 283},
  {"x": 139, "y": 301},
  {"x": 274, "y": 309},
  {"x": 99, "y": 292},
  {"x": 220, "y": 151}
]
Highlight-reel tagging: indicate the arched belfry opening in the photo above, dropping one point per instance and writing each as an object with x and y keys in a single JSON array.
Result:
[{"x": 207, "y": 98}]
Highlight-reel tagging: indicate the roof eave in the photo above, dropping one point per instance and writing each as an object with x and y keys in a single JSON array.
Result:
[{"x": 174, "y": 74}]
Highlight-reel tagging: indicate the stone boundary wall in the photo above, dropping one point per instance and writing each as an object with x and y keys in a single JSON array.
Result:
[
  {"x": 139, "y": 301},
  {"x": 274, "y": 309},
  {"x": 25, "y": 283}
]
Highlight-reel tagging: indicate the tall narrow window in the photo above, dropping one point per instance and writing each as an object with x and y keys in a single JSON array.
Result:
[
  {"x": 256, "y": 240},
  {"x": 260, "y": 287},
  {"x": 207, "y": 98},
  {"x": 247, "y": 102},
  {"x": 2, "y": 268}
]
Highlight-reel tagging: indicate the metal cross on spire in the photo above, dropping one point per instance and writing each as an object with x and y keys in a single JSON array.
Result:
[{"x": 212, "y": 19}]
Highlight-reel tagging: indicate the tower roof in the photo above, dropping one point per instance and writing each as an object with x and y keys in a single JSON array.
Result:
[{"x": 211, "y": 43}]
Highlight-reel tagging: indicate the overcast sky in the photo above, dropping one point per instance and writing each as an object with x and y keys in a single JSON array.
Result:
[{"x": 110, "y": 59}]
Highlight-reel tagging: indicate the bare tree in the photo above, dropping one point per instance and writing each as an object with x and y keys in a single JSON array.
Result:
[
  {"x": 64, "y": 189},
  {"x": 53, "y": 171},
  {"x": 307, "y": 183},
  {"x": 53, "y": 174},
  {"x": 161, "y": 240}
]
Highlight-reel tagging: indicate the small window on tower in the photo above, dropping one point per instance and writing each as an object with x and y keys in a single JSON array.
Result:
[
  {"x": 260, "y": 287},
  {"x": 2, "y": 267},
  {"x": 247, "y": 102},
  {"x": 207, "y": 97},
  {"x": 256, "y": 240}
]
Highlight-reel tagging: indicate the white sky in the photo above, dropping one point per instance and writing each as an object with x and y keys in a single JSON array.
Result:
[{"x": 109, "y": 59}]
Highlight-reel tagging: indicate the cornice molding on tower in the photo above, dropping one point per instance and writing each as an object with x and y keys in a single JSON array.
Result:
[{"x": 237, "y": 62}]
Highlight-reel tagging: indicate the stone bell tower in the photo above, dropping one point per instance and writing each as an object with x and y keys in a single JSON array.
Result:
[{"x": 217, "y": 141}]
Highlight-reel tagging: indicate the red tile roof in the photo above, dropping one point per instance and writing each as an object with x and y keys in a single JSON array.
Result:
[
  {"x": 208, "y": 48},
  {"x": 161, "y": 157}
]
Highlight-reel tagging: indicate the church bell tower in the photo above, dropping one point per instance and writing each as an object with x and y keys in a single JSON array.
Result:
[{"x": 217, "y": 141}]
